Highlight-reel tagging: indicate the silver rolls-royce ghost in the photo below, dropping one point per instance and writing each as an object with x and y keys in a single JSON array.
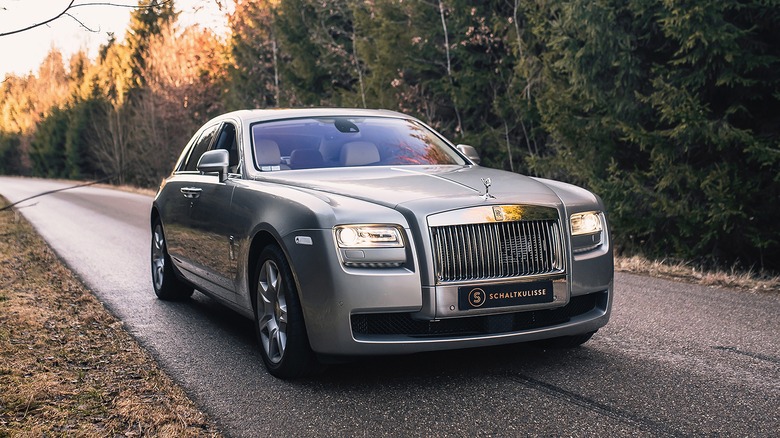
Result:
[{"x": 347, "y": 232}]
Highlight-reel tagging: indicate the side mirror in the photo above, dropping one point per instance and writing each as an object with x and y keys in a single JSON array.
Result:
[
  {"x": 216, "y": 160},
  {"x": 470, "y": 152}
]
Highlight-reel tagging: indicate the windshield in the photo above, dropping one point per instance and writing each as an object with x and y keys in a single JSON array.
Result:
[{"x": 347, "y": 142}]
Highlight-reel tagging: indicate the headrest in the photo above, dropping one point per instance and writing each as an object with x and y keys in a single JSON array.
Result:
[
  {"x": 359, "y": 153},
  {"x": 267, "y": 153}
]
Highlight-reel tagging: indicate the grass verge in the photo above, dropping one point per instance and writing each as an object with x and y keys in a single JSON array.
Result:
[
  {"x": 67, "y": 367},
  {"x": 682, "y": 271}
]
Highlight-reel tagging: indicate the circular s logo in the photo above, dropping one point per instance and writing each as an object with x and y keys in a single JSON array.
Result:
[{"x": 477, "y": 297}]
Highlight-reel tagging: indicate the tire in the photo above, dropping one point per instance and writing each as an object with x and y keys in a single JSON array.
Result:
[
  {"x": 565, "y": 342},
  {"x": 281, "y": 332},
  {"x": 167, "y": 285}
]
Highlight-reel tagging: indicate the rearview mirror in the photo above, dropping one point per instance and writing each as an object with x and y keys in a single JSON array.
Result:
[
  {"x": 470, "y": 152},
  {"x": 217, "y": 160}
]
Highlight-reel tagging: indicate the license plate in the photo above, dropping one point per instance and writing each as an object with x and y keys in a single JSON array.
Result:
[{"x": 503, "y": 295}]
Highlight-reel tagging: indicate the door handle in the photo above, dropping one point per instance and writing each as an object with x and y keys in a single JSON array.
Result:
[{"x": 191, "y": 192}]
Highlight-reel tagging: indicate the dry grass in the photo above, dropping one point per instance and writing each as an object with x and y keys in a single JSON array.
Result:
[
  {"x": 737, "y": 279},
  {"x": 67, "y": 367}
]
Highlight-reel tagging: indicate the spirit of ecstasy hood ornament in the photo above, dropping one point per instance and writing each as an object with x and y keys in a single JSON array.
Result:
[{"x": 487, "y": 195}]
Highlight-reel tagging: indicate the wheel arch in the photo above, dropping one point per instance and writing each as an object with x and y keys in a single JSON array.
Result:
[
  {"x": 262, "y": 239},
  {"x": 154, "y": 215}
]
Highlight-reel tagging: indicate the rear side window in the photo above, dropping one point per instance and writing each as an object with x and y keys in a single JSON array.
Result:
[{"x": 200, "y": 146}]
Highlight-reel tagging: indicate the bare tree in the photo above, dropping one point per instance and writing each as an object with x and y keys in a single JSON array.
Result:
[
  {"x": 442, "y": 14},
  {"x": 184, "y": 81},
  {"x": 111, "y": 142}
]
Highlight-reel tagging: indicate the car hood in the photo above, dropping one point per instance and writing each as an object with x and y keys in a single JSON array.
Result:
[{"x": 422, "y": 188}]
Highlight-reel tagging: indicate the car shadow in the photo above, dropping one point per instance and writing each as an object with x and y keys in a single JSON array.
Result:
[
  {"x": 455, "y": 364},
  {"x": 207, "y": 311}
]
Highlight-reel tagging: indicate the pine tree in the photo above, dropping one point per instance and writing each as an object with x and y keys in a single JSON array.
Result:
[
  {"x": 670, "y": 111},
  {"x": 146, "y": 21},
  {"x": 317, "y": 42}
]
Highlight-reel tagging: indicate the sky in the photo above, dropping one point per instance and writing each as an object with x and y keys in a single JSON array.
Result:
[{"x": 22, "y": 53}]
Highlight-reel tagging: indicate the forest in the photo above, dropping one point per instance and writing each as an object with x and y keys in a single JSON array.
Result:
[{"x": 669, "y": 110}]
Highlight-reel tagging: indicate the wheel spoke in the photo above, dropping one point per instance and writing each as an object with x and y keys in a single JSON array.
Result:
[
  {"x": 268, "y": 283},
  {"x": 273, "y": 346},
  {"x": 281, "y": 342},
  {"x": 159, "y": 268},
  {"x": 267, "y": 327},
  {"x": 281, "y": 302}
]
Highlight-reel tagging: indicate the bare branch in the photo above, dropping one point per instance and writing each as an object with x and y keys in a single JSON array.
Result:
[
  {"x": 72, "y": 6},
  {"x": 81, "y": 23},
  {"x": 119, "y": 5},
  {"x": 446, "y": 38}
]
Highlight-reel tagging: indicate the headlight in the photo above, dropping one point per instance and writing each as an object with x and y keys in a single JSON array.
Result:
[
  {"x": 586, "y": 223},
  {"x": 368, "y": 236},
  {"x": 586, "y": 231}
]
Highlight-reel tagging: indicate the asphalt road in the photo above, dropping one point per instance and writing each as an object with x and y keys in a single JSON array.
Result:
[{"x": 675, "y": 360}]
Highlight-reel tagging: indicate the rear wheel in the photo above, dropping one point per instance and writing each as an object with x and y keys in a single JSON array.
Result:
[
  {"x": 279, "y": 323},
  {"x": 166, "y": 284}
]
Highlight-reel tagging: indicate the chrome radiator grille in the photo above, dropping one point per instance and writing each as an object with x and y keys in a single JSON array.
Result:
[{"x": 497, "y": 250}]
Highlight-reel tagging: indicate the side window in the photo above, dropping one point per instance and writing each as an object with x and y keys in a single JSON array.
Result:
[
  {"x": 201, "y": 146},
  {"x": 227, "y": 140}
]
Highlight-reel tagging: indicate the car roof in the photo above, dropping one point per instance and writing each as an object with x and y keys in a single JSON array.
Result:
[{"x": 262, "y": 115}]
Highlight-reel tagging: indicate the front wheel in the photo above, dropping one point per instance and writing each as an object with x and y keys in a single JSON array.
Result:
[
  {"x": 279, "y": 319},
  {"x": 167, "y": 286}
]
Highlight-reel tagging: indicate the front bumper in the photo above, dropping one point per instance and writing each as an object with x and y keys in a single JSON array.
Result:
[
  {"x": 585, "y": 313},
  {"x": 364, "y": 311}
]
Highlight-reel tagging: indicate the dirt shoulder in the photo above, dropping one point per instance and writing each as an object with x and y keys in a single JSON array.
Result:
[{"x": 67, "y": 367}]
